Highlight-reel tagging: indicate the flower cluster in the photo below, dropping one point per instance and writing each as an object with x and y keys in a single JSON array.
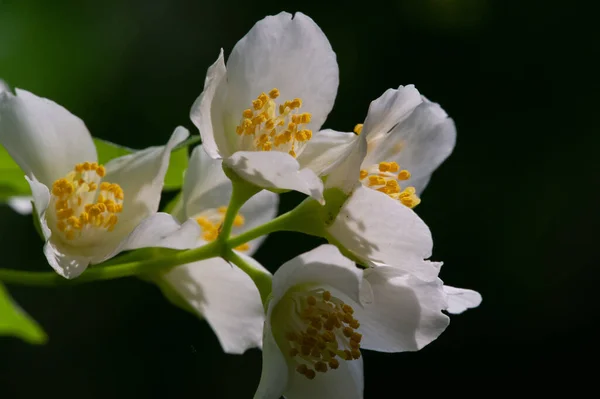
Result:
[{"x": 259, "y": 116}]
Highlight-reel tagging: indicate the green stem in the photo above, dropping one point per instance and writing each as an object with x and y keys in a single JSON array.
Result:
[
  {"x": 280, "y": 223},
  {"x": 242, "y": 192},
  {"x": 112, "y": 272},
  {"x": 261, "y": 279}
]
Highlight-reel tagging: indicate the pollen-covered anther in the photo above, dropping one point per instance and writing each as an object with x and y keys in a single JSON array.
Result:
[
  {"x": 83, "y": 204},
  {"x": 266, "y": 126},
  {"x": 358, "y": 128},
  {"x": 210, "y": 222},
  {"x": 327, "y": 333},
  {"x": 385, "y": 177}
]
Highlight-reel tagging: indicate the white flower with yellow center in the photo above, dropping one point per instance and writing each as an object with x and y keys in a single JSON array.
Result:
[
  {"x": 408, "y": 137},
  {"x": 405, "y": 137},
  {"x": 260, "y": 111},
  {"x": 403, "y": 140},
  {"x": 88, "y": 212},
  {"x": 214, "y": 289},
  {"x": 324, "y": 311}
]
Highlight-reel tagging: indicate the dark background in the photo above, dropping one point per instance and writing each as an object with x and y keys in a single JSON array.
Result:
[{"x": 514, "y": 211}]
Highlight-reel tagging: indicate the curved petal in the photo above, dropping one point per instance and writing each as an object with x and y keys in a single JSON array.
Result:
[
  {"x": 324, "y": 265},
  {"x": 258, "y": 210},
  {"x": 274, "y": 375},
  {"x": 161, "y": 230},
  {"x": 420, "y": 143},
  {"x": 346, "y": 174},
  {"x": 205, "y": 185},
  {"x": 226, "y": 297},
  {"x": 404, "y": 313},
  {"x": 326, "y": 150},
  {"x": 43, "y": 138},
  {"x": 378, "y": 229},
  {"x": 41, "y": 200},
  {"x": 141, "y": 176},
  {"x": 347, "y": 382},
  {"x": 3, "y": 86},
  {"x": 207, "y": 111},
  {"x": 275, "y": 171},
  {"x": 460, "y": 299},
  {"x": 291, "y": 54},
  {"x": 21, "y": 205},
  {"x": 65, "y": 263},
  {"x": 391, "y": 108}
]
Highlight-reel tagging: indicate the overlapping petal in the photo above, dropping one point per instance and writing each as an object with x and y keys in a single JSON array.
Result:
[
  {"x": 379, "y": 230},
  {"x": 43, "y": 138}
]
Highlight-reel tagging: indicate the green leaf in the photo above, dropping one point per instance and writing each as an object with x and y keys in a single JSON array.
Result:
[
  {"x": 170, "y": 206},
  {"x": 15, "y": 322},
  {"x": 108, "y": 151},
  {"x": 12, "y": 178},
  {"x": 177, "y": 165}
]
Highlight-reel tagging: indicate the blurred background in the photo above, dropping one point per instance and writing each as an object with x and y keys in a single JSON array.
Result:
[{"x": 514, "y": 210}]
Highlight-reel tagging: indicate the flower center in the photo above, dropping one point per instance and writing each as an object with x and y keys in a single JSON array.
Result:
[
  {"x": 266, "y": 126},
  {"x": 322, "y": 329},
  {"x": 82, "y": 204},
  {"x": 210, "y": 222},
  {"x": 385, "y": 177}
]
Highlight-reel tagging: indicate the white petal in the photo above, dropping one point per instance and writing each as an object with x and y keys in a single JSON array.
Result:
[
  {"x": 274, "y": 375},
  {"x": 257, "y": 211},
  {"x": 43, "y": 138},
  {"x": 292, "y": 55},
  {"x": 141, "y": 176},
  {"x": 207, "y": 111},
  {"x": 378, "y": 229},
  {"x": 419, "y": 143},
  {"x": 3, "y": 86},
  {"x": 324, "y": 265},
  {"x": 275, "y": 171},
  {"x": 226, "y": 297},
  {"x": 404, "y": 313},
  {"x": 460, "y": 299},
  {"x": 205, "y": 185},
  {"x": 346, "y": 174},
  {"x": 347, "y": 382},
  {"x": 41, "y": 199},
  {"x": 326, "y": 150},
  {"x": 390, "y": 109},
  {"x": 21, "y": 205},
  {"x": 161, "y": 230},
  {"x": 64, "y": 262}
]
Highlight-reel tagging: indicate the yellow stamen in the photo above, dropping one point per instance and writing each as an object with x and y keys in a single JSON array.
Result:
[
  {"x": 328, "y": 333},
  {"x": 269, "y": 130},
  {"x": 82, "y": 202}
]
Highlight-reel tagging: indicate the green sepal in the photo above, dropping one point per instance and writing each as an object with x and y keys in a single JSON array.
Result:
[{"x": 15, "y": 322}]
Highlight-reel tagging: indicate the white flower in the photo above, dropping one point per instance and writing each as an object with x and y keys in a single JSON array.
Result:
[
  {"x": 460, "y": 299},
  {"x": 260, "y": 111},
  {"x": 404, "y": 139},
  {"x": 88, "y": 212},
  {"x": 213, "y": 288},
  {"x": 324, "y": 310},
  {"x": 403, "y": 131}
]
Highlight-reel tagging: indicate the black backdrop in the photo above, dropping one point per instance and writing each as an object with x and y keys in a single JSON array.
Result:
[{"x": 513, "y": 211}]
